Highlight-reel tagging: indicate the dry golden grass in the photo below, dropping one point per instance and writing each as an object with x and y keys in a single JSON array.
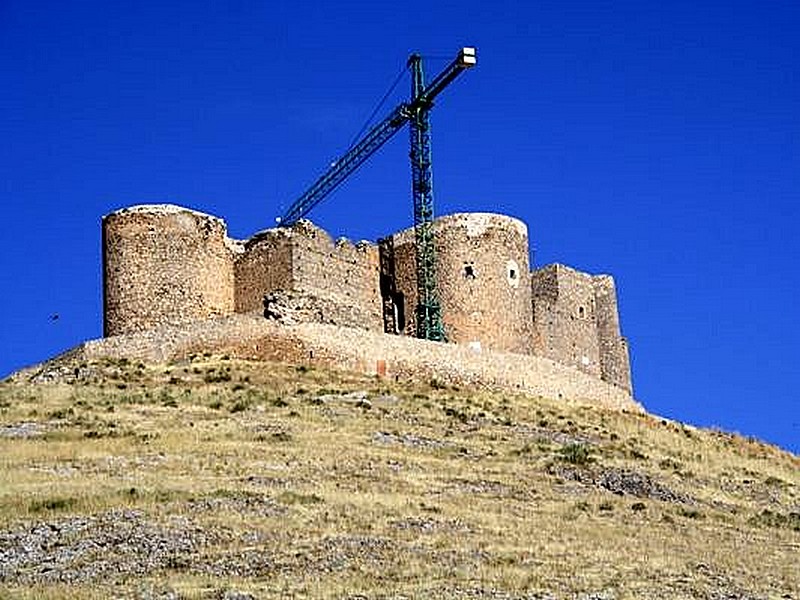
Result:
[{"x": 296, "y": 482}]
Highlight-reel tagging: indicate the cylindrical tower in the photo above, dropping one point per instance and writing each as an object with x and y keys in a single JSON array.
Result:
[
  {"x": 164, "y": 264},
  {"x": 483, "y": 280}
]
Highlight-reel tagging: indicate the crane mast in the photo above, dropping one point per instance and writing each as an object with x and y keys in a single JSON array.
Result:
[
  {"x": 428, "y": 311},
  {"x": 417, "y": 113}
]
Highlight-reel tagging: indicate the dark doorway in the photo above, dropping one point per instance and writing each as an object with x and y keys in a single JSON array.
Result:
[{"x": 399, "y": 305}]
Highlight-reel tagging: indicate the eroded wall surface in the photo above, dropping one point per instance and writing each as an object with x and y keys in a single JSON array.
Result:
[
  {"x": 576, "y": 323},
  {"x": 615, "y": 365},
  {"x": 343, "y": 276},
  {"x": 564, "y": 315},
  {"x": 164, "y": 264},
  {"x": 264, "y": 266}
]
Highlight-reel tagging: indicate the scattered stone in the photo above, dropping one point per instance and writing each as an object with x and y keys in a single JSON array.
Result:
[
  {"x": 242, "y": 503},
  {"x": 329, "y": 555},
  {"x": 543, "y": 434},
  {"x": 427, "y": 525},
  {"x": 81, "y": 549},
  {"x": 250, "y": 562},
  {"x": 65, "y": 369},
  {"x": 236, "y": 595},
  {"x": 24, "y": 430},
  {"x": 360, "y": 399},
  {"x": 623, "y": 482},
  {"x": 265, "y": 481},
  {"x": 386, "y": 399},
  {"x": 640, "y": 485},
  {"x": 407, "y": 439},
  {"x": 597, "y": 596},
  {"x": 151, "y": 592},
  {"x": 492, "y": 488}
]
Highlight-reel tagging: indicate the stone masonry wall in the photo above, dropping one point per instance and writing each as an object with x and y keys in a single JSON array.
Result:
[
  {"x": 404, "y": 283},
  {"x": 343, "y": 275},
  {"x": 164, "y": 264},
  {"x": 263, "y": 267},
  {"x": 576, "y": 323},
  {"x": 564, "y": 315},
  {"x": 614, "y": 359},
  {"x": 401, "y": 357},
  {"x": 483, "y": 279}
]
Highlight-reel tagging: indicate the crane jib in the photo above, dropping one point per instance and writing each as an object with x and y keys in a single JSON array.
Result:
[
  {"x": 428, "y": 315},
  {"x": 345, "y": 165},
  {"x": 374, "y": 139}
]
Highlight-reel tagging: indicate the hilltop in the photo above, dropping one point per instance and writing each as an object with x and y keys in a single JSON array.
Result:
[{"x": 215, "y": 477}]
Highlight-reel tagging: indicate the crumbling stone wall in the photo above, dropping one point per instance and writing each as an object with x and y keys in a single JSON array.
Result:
[
  {"x": 344, "y": 275},
  {"x": 614, "y": 358},
  {"x": 398, "y": 265},
  {"x": 483, "y": 280},
  {"x": 564, "y": 315},
  {"x": 265, "y": 265},
  {"x": 164, "y": 264},
  {"x": 576, "y": 323}
]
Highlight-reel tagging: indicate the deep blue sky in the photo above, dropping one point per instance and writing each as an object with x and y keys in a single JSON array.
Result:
[{"x": 657, "y": 141}]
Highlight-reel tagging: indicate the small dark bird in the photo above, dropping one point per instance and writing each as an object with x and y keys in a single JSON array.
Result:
[{"x": 55, "y": 317}]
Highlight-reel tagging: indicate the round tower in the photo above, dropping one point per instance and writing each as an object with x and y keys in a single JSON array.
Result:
[
  {"x": 483, "y": 280},
  {"x": 164, "y": 264}
]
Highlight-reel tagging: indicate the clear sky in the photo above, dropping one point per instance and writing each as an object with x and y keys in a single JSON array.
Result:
[{"x": 657, "y": 141}]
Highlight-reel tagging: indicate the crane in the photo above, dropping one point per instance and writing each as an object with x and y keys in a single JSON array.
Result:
[{"x": 415, "y": 112}]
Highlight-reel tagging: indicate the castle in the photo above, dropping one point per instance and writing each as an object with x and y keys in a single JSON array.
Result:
[{"x": 168, "y": 265}]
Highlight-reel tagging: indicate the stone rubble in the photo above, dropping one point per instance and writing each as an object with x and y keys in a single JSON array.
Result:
[
  {"x": 89, "y": 548},
  {"x": 24, "y": 430}
]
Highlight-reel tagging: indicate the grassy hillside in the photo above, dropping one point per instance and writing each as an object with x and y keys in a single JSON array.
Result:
[{"x": 226, "y": 479}]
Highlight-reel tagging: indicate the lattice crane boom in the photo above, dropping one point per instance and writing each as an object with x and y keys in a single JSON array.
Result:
[
  {"x": 417, "y": 113},
  {"x": 346, "y": 164}
]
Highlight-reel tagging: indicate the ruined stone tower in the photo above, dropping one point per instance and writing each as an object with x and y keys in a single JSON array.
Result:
[
  {"x": 335, "y": 281},
  {"x": 575, "y": 322},
  {"x": 483, "y": 280},
  {"x": 164, "y": 264}
]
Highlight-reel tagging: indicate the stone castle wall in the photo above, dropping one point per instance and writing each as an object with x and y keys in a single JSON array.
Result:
[
  {"x": 400, "y": 357},
  {"x": 166, "y": 265},
  {"x": 330, "y": 281},
  {"x": 343, "y": 275},
  {"x": 565, "y": 317},
  {"x": 615, "y": 365},
  {"x": 264, "y": 266}
]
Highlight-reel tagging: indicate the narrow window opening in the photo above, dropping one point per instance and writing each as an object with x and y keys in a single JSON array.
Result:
[
  {"x": 581, "y": 312},
  {"x": 512, "y": 273}
]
